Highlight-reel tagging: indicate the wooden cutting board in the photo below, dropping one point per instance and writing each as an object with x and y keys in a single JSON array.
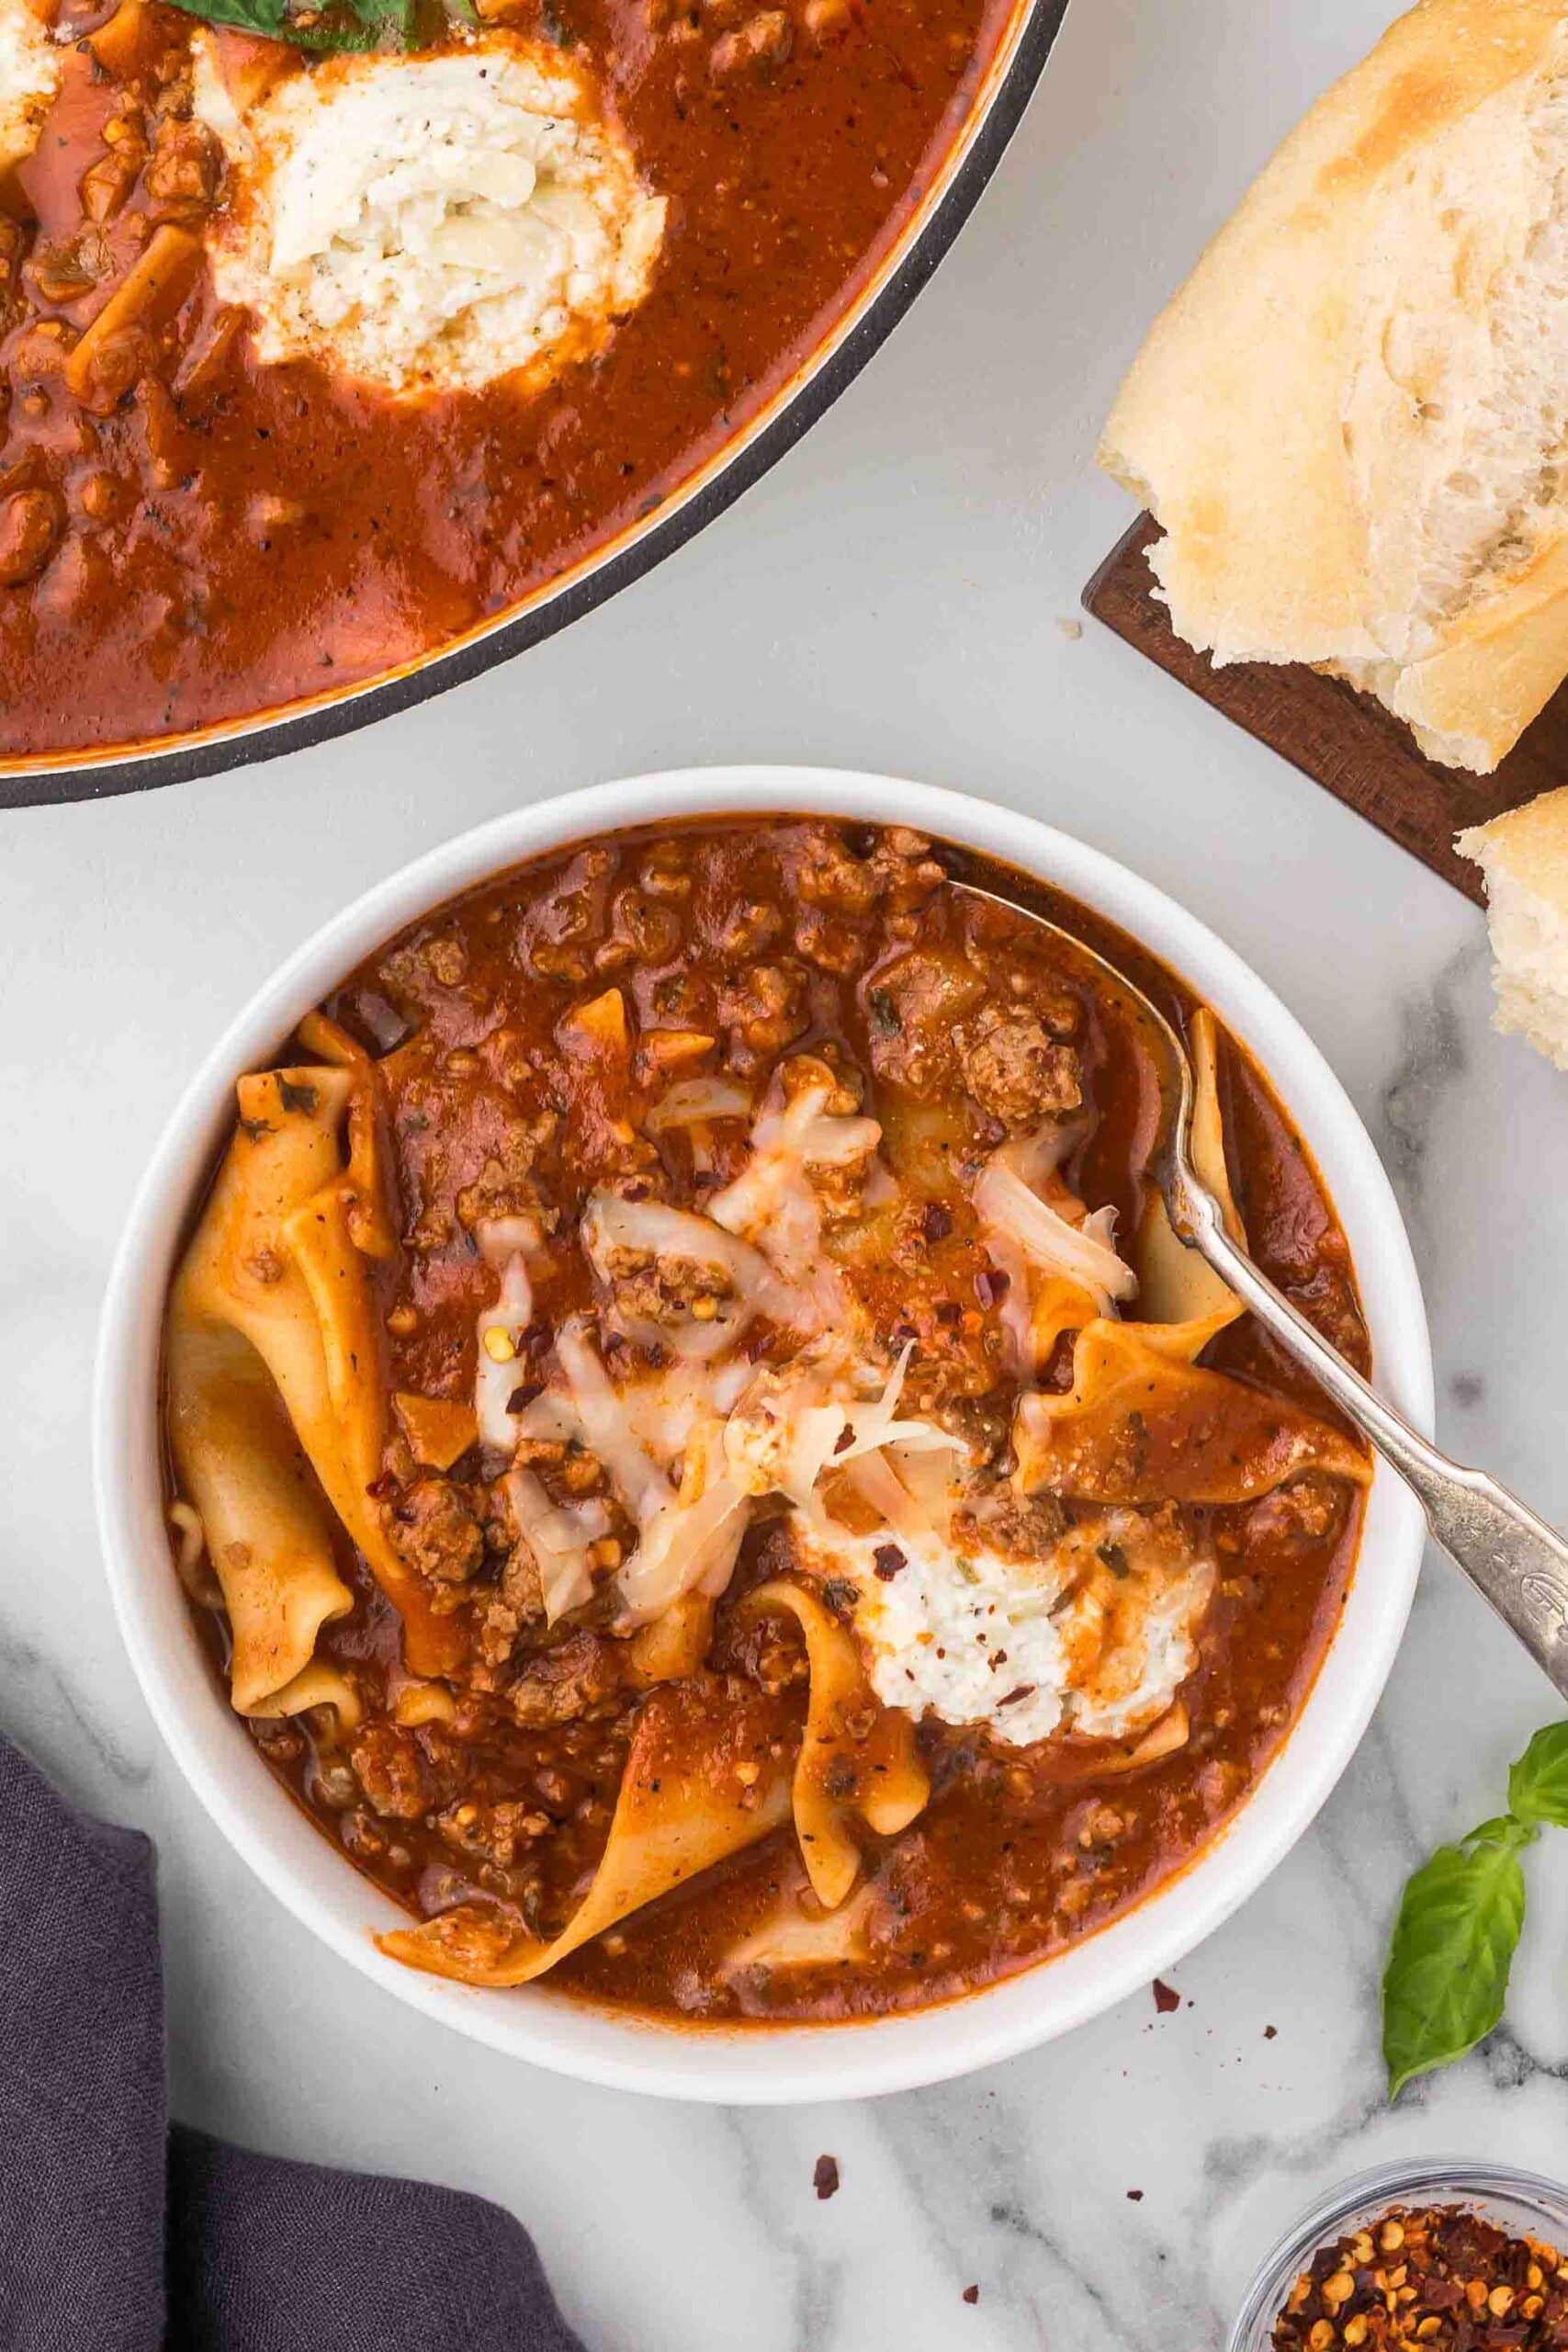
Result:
[{"x": 1346, "y": 741}]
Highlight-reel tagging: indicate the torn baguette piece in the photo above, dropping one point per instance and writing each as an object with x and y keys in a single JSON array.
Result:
[
  {"x": 1353, "y": 421},
  {"x": 1524, "y": 856}
]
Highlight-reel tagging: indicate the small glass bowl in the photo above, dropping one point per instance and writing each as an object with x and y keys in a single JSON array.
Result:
[{"x": 1523, "y": 2204}]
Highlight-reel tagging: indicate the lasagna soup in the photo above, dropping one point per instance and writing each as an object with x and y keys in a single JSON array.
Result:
[
  {"x": 323, "y": 344},
  {"x": 699, "y": 1454}
]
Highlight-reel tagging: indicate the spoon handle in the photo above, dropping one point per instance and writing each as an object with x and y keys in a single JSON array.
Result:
[{"x": 1511, "y": 1555}]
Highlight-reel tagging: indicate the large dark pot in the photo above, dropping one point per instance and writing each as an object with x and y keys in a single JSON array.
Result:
[{"x": 998, "y": 104}]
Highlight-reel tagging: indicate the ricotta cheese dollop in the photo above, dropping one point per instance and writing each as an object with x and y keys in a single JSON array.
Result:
[
  {"x": 430, "y": 222},
  {"x": 30, "y": 80},
  {"x": 1094, "y": 1638}
]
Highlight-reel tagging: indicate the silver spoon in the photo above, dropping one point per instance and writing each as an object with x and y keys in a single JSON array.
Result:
[{"x": 1509, "y": 1555}]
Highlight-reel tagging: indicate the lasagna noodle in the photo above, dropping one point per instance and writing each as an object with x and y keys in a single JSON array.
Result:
[
  {"x": 369, "y": 1186},
  {"x": 320, "y": 1684},
  {"x": 701, "y": 1782},
  {"x": 673, "y": 1646},
  {"x": 793, "y": 1936},
  {"x": 1058, "y": 1305},
  {"x": 153, "y": 286},
  {"x": 267, "y": 1530},
  {"x": 274, "y": 1363},
  {"x": 838, "y": 1775},
  {"x": 1144, "y": 1422}
]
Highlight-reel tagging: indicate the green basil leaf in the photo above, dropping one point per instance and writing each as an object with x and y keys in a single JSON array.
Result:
[
  {"x": 1502, "y": 1829},
  {"x": 1537, "y": 1785},
  {"x": 1453, "y": 1945},
  {"x": 334, "y": 25}
]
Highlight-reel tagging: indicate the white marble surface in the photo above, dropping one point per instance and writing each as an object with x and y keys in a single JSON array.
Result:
[{"x": 889, "y": 597}]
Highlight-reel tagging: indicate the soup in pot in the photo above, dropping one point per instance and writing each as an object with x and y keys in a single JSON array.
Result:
[{"x": 323, "y": 344}]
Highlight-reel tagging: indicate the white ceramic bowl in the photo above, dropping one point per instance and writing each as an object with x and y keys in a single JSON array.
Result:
[{"x": 788, "y": 2063}]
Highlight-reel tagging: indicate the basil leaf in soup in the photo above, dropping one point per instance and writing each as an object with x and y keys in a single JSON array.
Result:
[
  {"x": 1453, "y": 1945},
  {"x": 336, "y": 25},
  {"x": 1538, "y": 1784}
]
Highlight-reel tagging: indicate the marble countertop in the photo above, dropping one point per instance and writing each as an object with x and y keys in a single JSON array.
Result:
[{"x": 892, "y": 597}]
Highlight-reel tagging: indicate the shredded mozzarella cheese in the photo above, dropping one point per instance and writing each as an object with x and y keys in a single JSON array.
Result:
[
  {"x": 560, "y": 1537},
  {"x": 500, "y": 1329},
  {"x": 601, "y": 1412},
  {"x": 692, "y": 1447},
  {"x": 770, "y": 1202},
  {"x": 1084, "y": 1253}
]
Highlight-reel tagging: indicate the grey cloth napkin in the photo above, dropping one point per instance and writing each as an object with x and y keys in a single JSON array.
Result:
[{"x": 119, "y": 2234}]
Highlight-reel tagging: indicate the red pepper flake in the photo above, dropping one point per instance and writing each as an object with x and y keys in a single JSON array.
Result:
[
  {"x": 936, "y": 1222},
  {"x": 1437, "y": 2279},
  {"x": 844, "y": 1440},
  {"x": 1134, "y": 2196},
  {"x": 971, "y": 2294},
  {"x": 825, "y": 2179},
  {"x": 1024, "y": 1690},
  {"x": 1270, "y": 2031},
  {"x": 521, "y": 1398},
  {"x": 888, "y": 1561},
  {"x": 1165, "y": 1997},
  {"x": 990, "y": 1289}
]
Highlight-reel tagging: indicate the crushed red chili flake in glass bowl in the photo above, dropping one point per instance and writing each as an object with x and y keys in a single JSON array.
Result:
[{"x": 1445, "y": 2256}]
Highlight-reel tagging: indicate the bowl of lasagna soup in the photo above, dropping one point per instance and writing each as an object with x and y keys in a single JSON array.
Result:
[{"x": 668, "y": 1480}]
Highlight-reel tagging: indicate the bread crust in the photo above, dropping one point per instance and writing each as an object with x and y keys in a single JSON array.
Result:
[
  {"x": 1527, "y": 846},
  {"x": 1524, "y": 856},
  {"x": 1300, "y": 398}
]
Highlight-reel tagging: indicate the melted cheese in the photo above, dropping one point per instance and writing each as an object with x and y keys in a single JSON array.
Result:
[
  {"x": 772, "y": 1203},
  {"x": 1062, "y": 1264},
  {"x": 430, "y": 222},
  {"x": 1094, "y": 1638},
  {"x": 30, "y": 80},
  {"x": 498, "y": 1372},
  {"x": 1067, "y": 1643}
]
